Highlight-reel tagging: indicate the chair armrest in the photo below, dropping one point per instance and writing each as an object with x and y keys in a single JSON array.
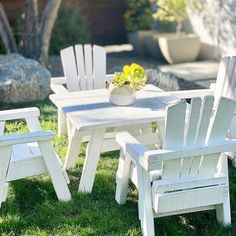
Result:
[
  {"x": 57, "y": 85},
  {"x": 30, "y": 137},
  {"x": 131, "y": 145},
  {"x": 109, "y": 77},
  {"x": 153, "y": 158},
  {"x": 58, "y": 80},
  {"x": 191, "y": 93},
  {"x": 21, "y": 113}
]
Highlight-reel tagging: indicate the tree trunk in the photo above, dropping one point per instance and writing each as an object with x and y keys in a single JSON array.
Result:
[
  {"x": 46, "y": 26},
  {"x": 30, "y": 28},
  {"x": 6, "y": 32}
]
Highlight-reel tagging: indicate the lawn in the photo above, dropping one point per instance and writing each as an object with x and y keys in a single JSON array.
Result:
[{"x": 32, "y": 207}]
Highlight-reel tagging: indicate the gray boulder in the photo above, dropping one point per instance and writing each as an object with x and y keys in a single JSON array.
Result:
[{"x": 23, "y": 80}]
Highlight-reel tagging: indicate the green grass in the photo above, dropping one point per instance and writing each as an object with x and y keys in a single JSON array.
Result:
[{"x": 32, "y": 207}]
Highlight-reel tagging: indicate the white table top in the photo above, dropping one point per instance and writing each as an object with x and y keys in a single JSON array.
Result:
[{"x": 92, "y": 109}]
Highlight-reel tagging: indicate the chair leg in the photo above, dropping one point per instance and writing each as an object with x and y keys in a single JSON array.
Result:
[
  {"x": 5, "y": 156},
  {"x": 73, "y": 149},
  {"x": 145, "y": 202},
  {"x": 55, "y": 171},
  {"x": 122, "y": 178},
  {"x": 223, "y": 212},
  {"x": 62, "y": 129}
]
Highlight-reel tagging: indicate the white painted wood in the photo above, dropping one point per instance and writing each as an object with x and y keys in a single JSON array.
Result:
[
  {"x": 225, "y": 86},
  {"x": 25, "y": 155},
  {"x": 62, "y": 128},
  {"x": 199, "y": 184},
  {"x": 14, "y": 139},
  {"x": 73, "y": 149},
  {"x": 122, "y": 178},
  {"x": 222, "y": 75},
  {"x": 99, "y": 63},
  {"x": 21, "y": 113},
  {"x": 91, "y": 109},
  {"x": 187, "y": 94},
  {"x": 69, "y": 68},
  {"x": 174, "y": 137},
  {"x": 81, "y": 66},
  {"x": 57, "y": 85},
  {"x": 33, "y": 123},
  {"x": 88, "y": 66},
  {"x": 2, "y": 126},
  {"x": 54, "y": 169},
  {"x": 91, "y": 160},
  {"x": 5, "y": 155},
  {"x": 84, "y": 68}
]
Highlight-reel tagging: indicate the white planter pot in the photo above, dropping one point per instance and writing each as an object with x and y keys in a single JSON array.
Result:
[
  {"x": 123, "y": 96},
  {"x": 178, "y": 49}
]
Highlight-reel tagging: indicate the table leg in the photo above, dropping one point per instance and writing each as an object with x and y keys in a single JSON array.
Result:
[
  {"x": 73, "y": 151},
  {"x": 91, "y": 160}
]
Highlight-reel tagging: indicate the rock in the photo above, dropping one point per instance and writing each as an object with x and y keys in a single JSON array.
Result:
[
  {"x": 169, "y": 81},
  {"x": 23, "y": 80}
]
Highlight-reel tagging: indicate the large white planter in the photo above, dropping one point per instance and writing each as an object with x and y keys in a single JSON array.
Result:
[
  {"x": 123, "y": 96},
  {"x": 178, "y": 49}
]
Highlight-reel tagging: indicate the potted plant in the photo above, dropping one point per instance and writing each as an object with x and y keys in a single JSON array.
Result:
[
  {"x": 138, "y": 19},
  {"x": 123, "y": 87},
  {"x": 177, "y": 47}
]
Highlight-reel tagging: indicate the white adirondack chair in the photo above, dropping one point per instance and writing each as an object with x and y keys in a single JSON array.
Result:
[
  {"x": 85, "y": 69},
  {"x": 190, "y": 173},
  {"x": 225, "y": 86},
  {"x": 29, "y": 154}
]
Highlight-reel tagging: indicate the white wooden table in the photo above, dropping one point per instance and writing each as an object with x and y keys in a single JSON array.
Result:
[{"x": 90, "y": 111}]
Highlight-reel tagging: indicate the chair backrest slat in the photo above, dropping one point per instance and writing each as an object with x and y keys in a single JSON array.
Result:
[
  {"x": 193, "y": 118},
  {"x": 69, "y": 67},
  {"x": 205, "y": 115},
  {"x": 88, "y": 66},
  {"x": 85, "y": 68},
  {"x": 226, "y": 78},
  {"x": 80, "y": 66},
  {"x": 229, "y": 79},
  {"x": 174, "y": 137},
  {"x": 221, "y": 76},
  {"x": 200, "y": 128},
  {"x": 99, "y": 62}
]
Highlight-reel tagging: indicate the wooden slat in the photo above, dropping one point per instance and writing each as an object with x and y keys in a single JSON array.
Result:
[
  {"x": 193, "y": 119},
  {"x": 229, "y": 78},
  {"x": 221, "y": 121},
  {"x": 174, "y": 137},
  {"x": 232, "y": 87},
  {"x": 20, "y": 113},
  {"x": 223, "y": 68},
  {"x": 175, "y": 125},
  {"x": 99, "y": 62},
  {"x": 190, "y": 133},
  {"x": 205, "y": 115},
  {"x": 69, "y": 68},
  {"x": 2, "y": 126},
  {"x": 13, "y": 139},
  {"x": 80, "y": 66},
  {"x": 88, "y": 66}
]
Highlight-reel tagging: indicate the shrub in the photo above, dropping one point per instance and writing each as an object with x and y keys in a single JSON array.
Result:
[
  {"x": 70, "y": 28},
  {"x": 138, "y": 15}
]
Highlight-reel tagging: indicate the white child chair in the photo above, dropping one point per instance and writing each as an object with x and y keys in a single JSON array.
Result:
[
  {"x": 29, "y": 154},
  {"x": 190, "y": 172}
]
